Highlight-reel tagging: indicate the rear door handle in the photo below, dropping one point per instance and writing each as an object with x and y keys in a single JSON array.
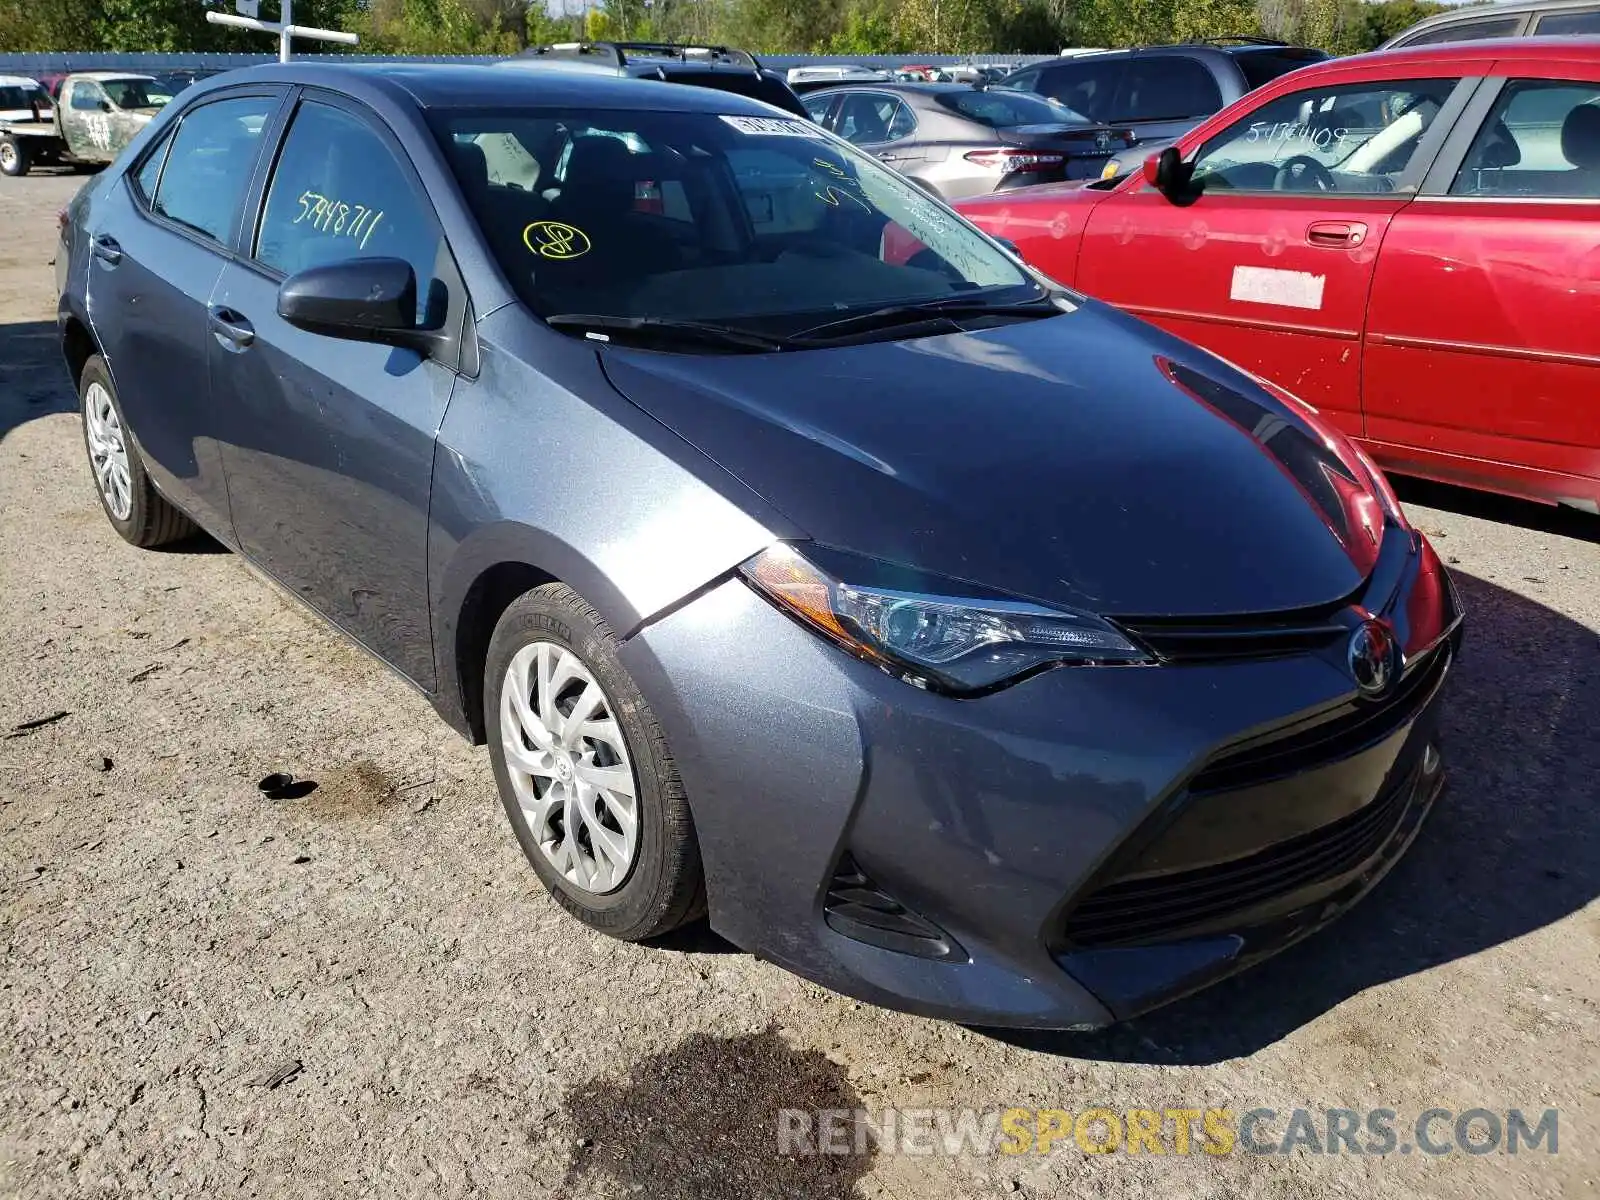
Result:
[
  {"x": 230, "y": 328},
  {"x": 1336, "y": 233},
  {"x": 106, "y": 249}
]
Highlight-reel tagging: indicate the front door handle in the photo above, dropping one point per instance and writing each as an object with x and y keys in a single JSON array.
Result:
[
  {"x": 106, "y": 249},
  {"x": 230, "y": 328},
  {"x": 1336, "y": 233}
]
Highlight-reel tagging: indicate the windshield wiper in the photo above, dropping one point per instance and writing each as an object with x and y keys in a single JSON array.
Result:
[
  {"x": 930, "y": 310},
  {"x": 723, "y": 336}
]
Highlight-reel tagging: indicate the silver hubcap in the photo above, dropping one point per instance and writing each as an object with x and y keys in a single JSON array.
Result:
[
  {"x": 569, "y": 767},
  {"x": 8, "y": 156},
  {"x": 108, "y": 454}
]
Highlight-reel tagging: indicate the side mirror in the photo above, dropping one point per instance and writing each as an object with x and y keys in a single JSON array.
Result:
[
  {"x": 360, "y": 299},
  {"x": 1167, "y": 172}
]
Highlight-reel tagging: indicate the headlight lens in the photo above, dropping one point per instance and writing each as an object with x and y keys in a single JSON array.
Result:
[{"x": 948, "y": 643}]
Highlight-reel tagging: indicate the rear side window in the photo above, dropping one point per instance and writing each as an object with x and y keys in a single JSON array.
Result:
[
  {"x": 1568, "y": 24},
  {"x": 1541, "y": 141},
  {"x": 1166, "y": 88},
  {"x": 209, "y": 164},
  {"x": 340, "y": 192},
  {"x": 1261, "y": 67},
  {"x": 20, "y": 97},
  {"x": 1467, "y": 31},
  {"x": 1085, "y": 87}
]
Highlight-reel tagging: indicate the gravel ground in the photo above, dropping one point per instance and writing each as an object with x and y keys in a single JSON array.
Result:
[{"x": 364, "y": 991}]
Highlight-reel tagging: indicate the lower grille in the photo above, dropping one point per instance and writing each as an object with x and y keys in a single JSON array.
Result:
[
  {"x": 1163, "y": 907},
  {"x": 859, "y": 909}
]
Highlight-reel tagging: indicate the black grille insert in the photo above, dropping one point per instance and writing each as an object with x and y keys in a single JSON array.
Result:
[
  {"x": 860, "y": 909},
  {"x": 1344, "y": 731},
  {"x": 1159, "y": 908}
]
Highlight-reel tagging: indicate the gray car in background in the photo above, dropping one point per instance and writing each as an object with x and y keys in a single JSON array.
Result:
[
  {"x": 1526, "y": 18},
  {"x": 959, "y": 141}
]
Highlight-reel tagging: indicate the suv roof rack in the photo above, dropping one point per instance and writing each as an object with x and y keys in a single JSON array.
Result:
[
  {"x": 621, "y": 53},
  {"x": 1240, "y": 39}
]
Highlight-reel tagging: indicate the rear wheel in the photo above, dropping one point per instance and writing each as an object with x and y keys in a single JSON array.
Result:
[
  {"x": 15, "y": 158},
  {"x": 133, "y": 506},
  {"x": 585, "y": 773}
]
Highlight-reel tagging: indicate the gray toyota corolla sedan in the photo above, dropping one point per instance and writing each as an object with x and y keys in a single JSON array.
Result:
[{"x": 952, "y": 639}]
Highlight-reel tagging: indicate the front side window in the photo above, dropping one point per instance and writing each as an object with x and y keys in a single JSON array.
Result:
[
  {"x": 1467, "y": 31},
  {"x": 1354, "y": 139},
  {"x": 339, "y": 192},
  {"x": 1166, "y": 88},
  {"x": 1085, "y": 87},
  {"x": 1022, "y": 81},
  {"x": 817, "y": 107},
  {"x": 131, "y": 95},
  {"x": 209, "y": 164},
  {"x": 690, "y": 216},
  {"x": 1542, "y": 140},
  {"x": 86, "y": 96}
]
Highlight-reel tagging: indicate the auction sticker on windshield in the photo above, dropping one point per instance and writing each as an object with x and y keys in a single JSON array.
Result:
[{"x": 774, "y": 126}]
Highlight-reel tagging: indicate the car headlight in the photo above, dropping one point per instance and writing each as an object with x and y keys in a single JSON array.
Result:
[{"x": 947, "y": 643}]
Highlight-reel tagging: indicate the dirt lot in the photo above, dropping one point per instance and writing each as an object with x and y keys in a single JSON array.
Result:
[{"x": 365, "y": 991}]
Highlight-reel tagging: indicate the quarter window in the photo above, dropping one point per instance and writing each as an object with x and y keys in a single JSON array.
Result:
[
  {"x": 208, "y": 165},
  {"x": 340, "y": 192},
  {"x": 1357, "y": 139},
  {"x": 1568, "y": 24},
  {"x": 1541, "y": 141},
  {"x": 150, "y": 172}
]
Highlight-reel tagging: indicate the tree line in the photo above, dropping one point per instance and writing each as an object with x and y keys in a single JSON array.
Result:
[{"x": 850, "y": 27}]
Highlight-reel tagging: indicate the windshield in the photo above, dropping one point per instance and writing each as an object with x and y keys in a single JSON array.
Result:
[
  {"x": 1006, "y": 109},
  {"x": 763, "y": 222},
  {"x": 137, "y": 93}
]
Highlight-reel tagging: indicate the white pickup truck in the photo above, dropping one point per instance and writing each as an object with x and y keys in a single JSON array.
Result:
[{"x": 96, "y": 114}]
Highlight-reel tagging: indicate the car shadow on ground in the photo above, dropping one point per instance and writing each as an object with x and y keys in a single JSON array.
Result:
[
  {"x": 1503, "y": 510},
  {"x": 1513, "y": 846},
  {"x": 33, "y": 380}
]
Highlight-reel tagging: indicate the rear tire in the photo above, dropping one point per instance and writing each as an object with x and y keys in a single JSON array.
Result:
[
  {"x": 15, "y": 157},
  {"x": 142, "y": 515},
  {"x": 627, "y": 866}
]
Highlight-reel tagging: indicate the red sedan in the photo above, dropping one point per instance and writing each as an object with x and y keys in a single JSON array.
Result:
[{"x": 1409, "y": 241}]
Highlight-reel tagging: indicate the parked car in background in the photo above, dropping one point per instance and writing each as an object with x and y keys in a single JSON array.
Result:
[
  {"x": 1402, "y": 240},
  {"x": 22, "y": 99},
  {"x": 95, "y": 115},
  {"x": 1522, "y": 18},
  {"x": 1161, "y": 92},
  {"x": 806, "y": 79},
  {"x": 959, "y": 644},
  {"x": 956, "y": 140},
  {"x": 719, "y": 67}
]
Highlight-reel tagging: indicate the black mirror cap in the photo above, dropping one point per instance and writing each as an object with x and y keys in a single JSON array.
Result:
[
  {"x": 1167, "y": 172},
  {"x": 364, "y": 299}
]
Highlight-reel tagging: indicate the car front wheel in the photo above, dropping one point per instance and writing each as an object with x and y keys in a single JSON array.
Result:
[{"x": 585, "y": 773}]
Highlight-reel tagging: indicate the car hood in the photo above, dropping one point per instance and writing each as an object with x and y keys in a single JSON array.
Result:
[{"x": 1086, "y": 459}]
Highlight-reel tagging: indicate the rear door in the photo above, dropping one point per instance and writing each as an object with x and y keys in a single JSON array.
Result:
[
  {"x": 159, "y": 242},
  {"x": 329, "y": 444},
  {"x": 1483, "y": 344},
  {"x": 1268, "y": 257}
]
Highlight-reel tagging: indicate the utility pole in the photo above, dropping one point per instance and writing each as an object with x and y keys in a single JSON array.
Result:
[{"x": 283, "y": 27}]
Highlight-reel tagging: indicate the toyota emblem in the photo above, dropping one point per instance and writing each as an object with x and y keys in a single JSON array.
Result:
[{"x": 1373, "y": 657}]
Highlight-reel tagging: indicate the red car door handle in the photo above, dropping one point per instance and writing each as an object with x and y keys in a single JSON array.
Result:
[{"x": 1336, "y": 233}]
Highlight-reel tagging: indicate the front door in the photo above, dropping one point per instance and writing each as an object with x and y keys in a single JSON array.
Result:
[
  {"x": 157, "y": 250},
  {"x": 330, "y": 442},
  {"x": 85, "y": 120},
  {"x": 1267, "y": 256},
  {"x": 1483, "y": 355}
]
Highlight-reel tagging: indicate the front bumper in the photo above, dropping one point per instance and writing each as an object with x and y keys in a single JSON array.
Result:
[{"x": 1076, "y": 848}]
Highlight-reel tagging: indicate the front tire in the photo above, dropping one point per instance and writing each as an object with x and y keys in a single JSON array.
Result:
[
  {"x": 585, "y": 773},
  {"x": 135, "y": 509}
]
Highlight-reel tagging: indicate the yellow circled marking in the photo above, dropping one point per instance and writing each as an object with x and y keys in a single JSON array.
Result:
[{"x": 556, "y": 240}]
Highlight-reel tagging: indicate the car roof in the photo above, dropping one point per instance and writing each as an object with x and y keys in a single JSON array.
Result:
[
  {"x": 1476, "y": 12},
  {"x": 1477, "y": 51},
  {"x": 450, "y": 85},
  {"x": 17, "y": 81},
  {"x": 1186, "y": 49}
]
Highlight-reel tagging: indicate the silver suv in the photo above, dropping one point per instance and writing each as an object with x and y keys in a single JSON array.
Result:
[{"x": 1521, "y": 18}]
